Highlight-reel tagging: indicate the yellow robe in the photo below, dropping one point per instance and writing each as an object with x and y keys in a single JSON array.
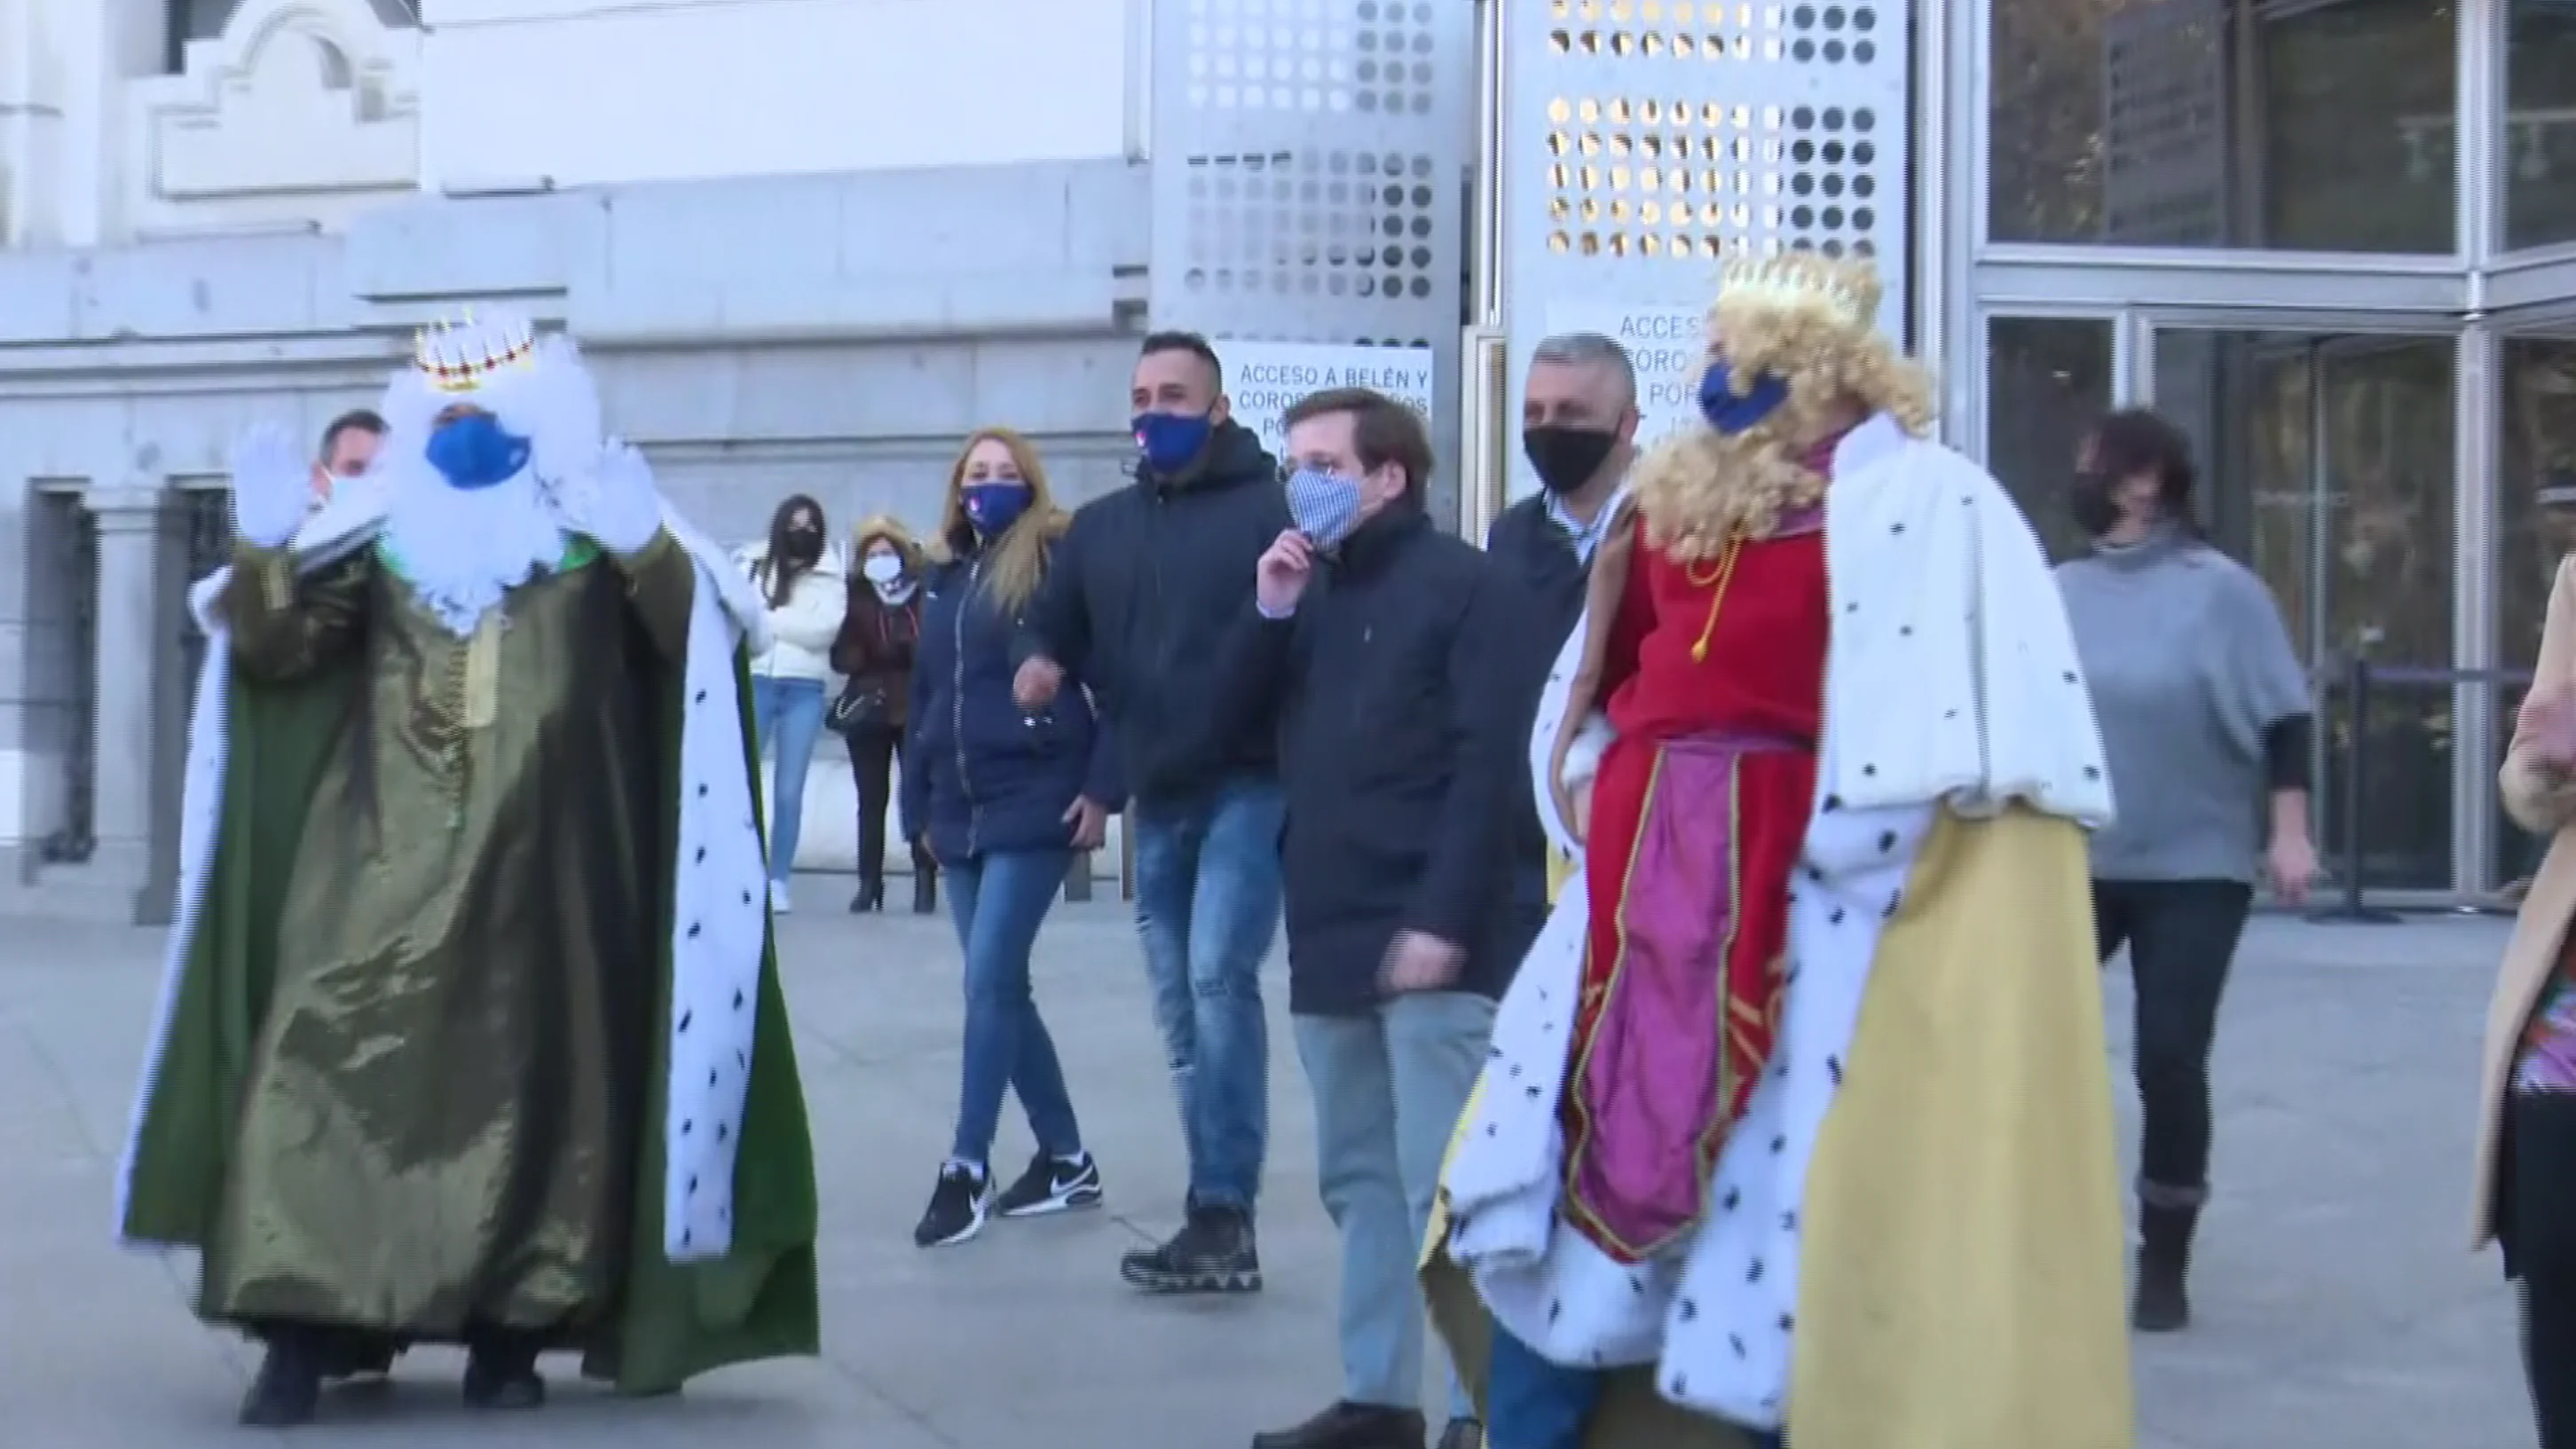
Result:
[{"x": 1962, "y": 1278}]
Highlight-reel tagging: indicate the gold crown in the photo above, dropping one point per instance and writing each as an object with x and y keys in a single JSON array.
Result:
[
  {"x": 457, "y": 356},
  {"x": 1802, "y": 281}
]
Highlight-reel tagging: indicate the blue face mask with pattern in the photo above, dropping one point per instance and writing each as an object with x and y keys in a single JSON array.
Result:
[
  {"x": 993, "y": 507},
  {"x": 472, "y": 451},
  {"x": 1325, "y": 506},
  {"x": 1730, "y": 414}
]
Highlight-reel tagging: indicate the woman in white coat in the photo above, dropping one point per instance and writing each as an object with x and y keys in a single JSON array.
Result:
[{"x": 801, "y": 581}]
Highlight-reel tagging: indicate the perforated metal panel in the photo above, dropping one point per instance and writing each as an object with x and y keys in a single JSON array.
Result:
[
  {"x": 1647, "y": 140},
  {"x": 1310, "y": 163}
]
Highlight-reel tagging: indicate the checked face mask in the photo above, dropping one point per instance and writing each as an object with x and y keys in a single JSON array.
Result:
[{"x": 1324, "y": 505}]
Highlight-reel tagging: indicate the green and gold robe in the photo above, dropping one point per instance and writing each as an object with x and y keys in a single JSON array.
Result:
[{"x": 471, "y": 1016}]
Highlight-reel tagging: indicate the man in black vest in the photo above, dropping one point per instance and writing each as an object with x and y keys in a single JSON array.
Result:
[{"x": 1579, "y": 428}]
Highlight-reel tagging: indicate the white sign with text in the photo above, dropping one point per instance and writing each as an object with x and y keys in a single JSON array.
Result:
[{"x": 1263, "y": 380}]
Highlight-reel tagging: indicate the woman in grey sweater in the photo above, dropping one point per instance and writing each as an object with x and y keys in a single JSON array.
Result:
[{"x": 2205, "y": 718}]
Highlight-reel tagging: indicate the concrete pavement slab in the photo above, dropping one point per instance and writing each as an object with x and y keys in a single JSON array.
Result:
[{"x": 2338, "y": 1304}]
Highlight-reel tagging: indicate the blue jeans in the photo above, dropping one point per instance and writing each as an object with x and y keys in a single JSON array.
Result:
[
  {"x": 998, "y": 901},
  {"x": 1532, "y": 1403},
  {"x": 1207, "y": 906},
  {"x": 788, "y": 716},
  {"x": 1389, "y": 1087}
]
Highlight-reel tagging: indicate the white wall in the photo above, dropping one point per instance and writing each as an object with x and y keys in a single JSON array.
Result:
[
  {"x": 302, "y": 113},
  {"x": 589, "y": 91},
  {"x": 305, "y": 114}
]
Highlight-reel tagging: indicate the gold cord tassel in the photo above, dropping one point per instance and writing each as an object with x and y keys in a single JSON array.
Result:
[{"x": 483, "y": 671}]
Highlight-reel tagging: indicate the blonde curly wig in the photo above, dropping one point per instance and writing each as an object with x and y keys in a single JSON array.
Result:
[{"x": 1810, "y": 321}]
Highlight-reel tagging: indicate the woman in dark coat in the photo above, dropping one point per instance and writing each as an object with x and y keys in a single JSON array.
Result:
[
  {"x": 874, "y": 654},
  {"x": 1004, "y": 797}
]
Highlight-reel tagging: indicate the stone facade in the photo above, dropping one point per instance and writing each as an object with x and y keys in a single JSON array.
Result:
[
  {"x": 255, "y": 236},
  {"x": 807, "y": 243}
]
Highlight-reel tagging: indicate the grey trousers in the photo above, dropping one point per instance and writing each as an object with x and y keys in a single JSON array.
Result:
[{"x": 1388, "y": 1088}]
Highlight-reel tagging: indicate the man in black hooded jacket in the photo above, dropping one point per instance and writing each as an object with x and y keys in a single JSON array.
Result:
[{"x": 1135, "y": 607}]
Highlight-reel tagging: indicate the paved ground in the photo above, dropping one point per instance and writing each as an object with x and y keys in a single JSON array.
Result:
[{"x": 2338, "y": 1308}]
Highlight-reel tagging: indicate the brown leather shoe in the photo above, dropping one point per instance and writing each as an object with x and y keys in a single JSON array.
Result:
[{"x": 1346, "y": 1425}]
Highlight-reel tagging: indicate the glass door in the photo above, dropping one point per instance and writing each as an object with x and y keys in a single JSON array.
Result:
[
  {"x": 2048, "y": 380},
  {"x": 2535, "y": 472},
  {"x": 2328, "y": 467}
]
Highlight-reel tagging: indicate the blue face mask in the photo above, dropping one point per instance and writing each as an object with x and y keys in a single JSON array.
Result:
[
  {"x": 1730, "y": 414},
  {"x": 1325, "y": 506},
  {"x": 472, "y": 452},
  {"x": 993, "y": 507},
  {"x": 1172, "y": 441}
]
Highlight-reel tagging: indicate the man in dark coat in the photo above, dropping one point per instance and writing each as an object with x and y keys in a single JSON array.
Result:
[
  {"x": 1134, "y": 608},
  {"x": 1379, "y": 650}
]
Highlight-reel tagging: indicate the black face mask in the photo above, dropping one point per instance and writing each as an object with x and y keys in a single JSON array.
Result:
[
  {"x": 2092, "y": 505},
  {"x": 804, "y": 545},
  {"x": 1566, "y": 458}
]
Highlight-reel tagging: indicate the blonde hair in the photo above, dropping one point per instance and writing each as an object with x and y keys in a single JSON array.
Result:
[
  {"x": 889, "y": 529},
  {"x": 1015, "y": 562},
  {"x": 1700, "y": 489}
]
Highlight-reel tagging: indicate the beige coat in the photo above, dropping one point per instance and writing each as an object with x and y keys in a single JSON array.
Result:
[{"x": 2544, "y": 802}]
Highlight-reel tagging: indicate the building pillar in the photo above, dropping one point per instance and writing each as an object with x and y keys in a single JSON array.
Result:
[
  {"x": 31, "y": 121},
  {"x": 83, "y": 53},
  {"x": 138, "y": 731}
]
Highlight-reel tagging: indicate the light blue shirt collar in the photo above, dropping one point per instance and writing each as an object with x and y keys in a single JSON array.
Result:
[{"x": 1584, "y": 538}]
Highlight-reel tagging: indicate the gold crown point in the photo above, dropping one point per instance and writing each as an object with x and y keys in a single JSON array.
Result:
[{"x": 458, "y": 354}]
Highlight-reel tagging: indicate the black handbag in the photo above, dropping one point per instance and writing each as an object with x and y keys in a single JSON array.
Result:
[{"x": 862, "y": 708}]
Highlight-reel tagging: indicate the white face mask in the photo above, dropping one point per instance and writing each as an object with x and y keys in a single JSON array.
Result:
[{"x": 882, "y": 568}]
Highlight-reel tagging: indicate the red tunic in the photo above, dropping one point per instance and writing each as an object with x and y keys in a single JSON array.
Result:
[{"x": 1715, "y": 681}]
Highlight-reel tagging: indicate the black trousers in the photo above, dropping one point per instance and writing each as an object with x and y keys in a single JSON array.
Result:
[
  {"x": 2549, "y": 1358},
  {"x": 2181, "y": 936},
  {"x": 873, "y": 754},
  {"x": 2536, "y": 1217}
]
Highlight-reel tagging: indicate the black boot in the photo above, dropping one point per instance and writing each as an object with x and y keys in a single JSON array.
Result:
[
  {"x": 925, "y": 885},
  {"x": 1350, "y": 1426},
  {"x": 2162, "y": 1304},
  {"x": 871, "y": 896},
  {"x": 288, "y": 1388},
  {"x": 501, "y": 1372},
  {"x": 1214, "y": 1252}
]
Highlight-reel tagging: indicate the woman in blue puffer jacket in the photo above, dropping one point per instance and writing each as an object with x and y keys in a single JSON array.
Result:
[{"x": 1002, "y": 799}]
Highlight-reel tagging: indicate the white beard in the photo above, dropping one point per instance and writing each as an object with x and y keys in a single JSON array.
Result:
[{"x": 461, "y": 549}]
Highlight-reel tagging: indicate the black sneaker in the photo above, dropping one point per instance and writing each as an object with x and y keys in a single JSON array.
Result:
[
  {"x": 1213, "y": 1252},
  {"x": 1052, "y": 1185},
  {"x": 958, "y": 1206}
]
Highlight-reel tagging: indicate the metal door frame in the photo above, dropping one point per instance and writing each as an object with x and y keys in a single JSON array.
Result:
[{"x": 2474, "y": 421}]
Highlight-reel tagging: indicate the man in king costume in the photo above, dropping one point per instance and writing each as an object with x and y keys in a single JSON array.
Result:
[
  {"x": 1797, "y": 1121},
  {"x": 471, "y": 1032}
]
